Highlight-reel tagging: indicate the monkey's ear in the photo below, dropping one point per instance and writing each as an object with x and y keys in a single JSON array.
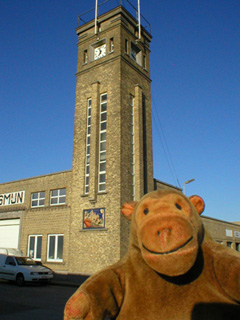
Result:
[
  {"x": 128, "y": 208},
  {"x": 198, "y": 203}
]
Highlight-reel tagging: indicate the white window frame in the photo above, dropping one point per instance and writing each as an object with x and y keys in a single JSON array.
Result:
[
  {"x": 58, "y": 197},
  {"x": 35, "y": 236},
  {"x": 55, "y": 258},
  {"x": 38, "y": 199},
  {"x": 88, "y": 146},
  {"x": 102, "y": 144}
]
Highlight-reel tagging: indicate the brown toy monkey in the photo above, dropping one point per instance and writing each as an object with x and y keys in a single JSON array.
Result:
[{"x": 172, "y": 270}]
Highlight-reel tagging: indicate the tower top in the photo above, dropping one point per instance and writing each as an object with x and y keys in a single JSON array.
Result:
[
  {"x": 113, "y": 16},
  {"x": 109, "y": 5}
]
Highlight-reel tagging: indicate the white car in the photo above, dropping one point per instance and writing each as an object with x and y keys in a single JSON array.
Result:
[{"x": 23, "y": 269}]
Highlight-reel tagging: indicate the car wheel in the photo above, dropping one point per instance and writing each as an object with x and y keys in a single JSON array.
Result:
[{"x": 20, "y": 280}]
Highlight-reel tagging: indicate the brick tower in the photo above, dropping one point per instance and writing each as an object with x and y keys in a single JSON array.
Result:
[{"x": 112, "y": 151}]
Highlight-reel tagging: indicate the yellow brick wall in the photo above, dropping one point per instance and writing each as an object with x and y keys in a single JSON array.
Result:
[{"x": 41, "y": 220}]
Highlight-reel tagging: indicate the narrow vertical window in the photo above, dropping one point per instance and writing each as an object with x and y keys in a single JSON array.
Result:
[
  {"x": 87, "y": 165},
  {"x": 126, "y": 46},
  {"x": 111, "y": 45},
  {"x": 85, "y": 56},
  {"x": 144, "y": 61},
  {"x": 132, "y": 149},
  {"x": 102, "y": 143}
]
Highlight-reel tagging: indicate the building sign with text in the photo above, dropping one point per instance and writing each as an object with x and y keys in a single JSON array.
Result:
[{"x": 12, "y": 198}]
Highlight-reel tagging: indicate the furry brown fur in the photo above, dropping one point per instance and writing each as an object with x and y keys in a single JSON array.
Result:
[{"x": 173, "y": 269}]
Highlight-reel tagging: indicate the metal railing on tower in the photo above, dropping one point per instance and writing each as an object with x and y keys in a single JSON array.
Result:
[{"x": 107, "y": 5}]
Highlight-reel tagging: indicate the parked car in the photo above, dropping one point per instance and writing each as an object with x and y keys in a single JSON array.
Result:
[
  {"x": 11, "y": 251},
  {"x": 23, "y": 269}
]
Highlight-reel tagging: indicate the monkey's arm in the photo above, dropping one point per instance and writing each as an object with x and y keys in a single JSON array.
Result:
[
  {"x": 100, "y": 296},
  {"x": 227, "y": 270}
]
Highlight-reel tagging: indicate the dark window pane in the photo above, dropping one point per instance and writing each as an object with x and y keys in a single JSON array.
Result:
[
  {"x": 102, "y": 187},
  {"x": 41, "y": 202},
  {"x": 51, "y": 247},
  {"x": 42, "y": 194},
  {"x": 54, "y": 200},
  {"x": 62, "y": 200},
  {"x": 103, "y": 126},
  {"x": 103, "y": 136},
  {"x": 35, "y": 195},
  {"x": 54, "y": 193},
  {"x": 34, "y": 203},
  {"x": 102, "y": 156},
  {"x": 39, "y": 247},
  {"x": 87, "y": 169},
  {"x": 60, "y": 247},
  {"x": 104, "y": 116},
  {"x": 62, "y": 192},
  {"x": 103, "y": 166},
  {"x": 102, "y": 146},
  {"x": 103, "y": 97},
  {"x": 102, "y": 177},
  {"x": 31, "y": 246},
  {"x": 103, "y": 107}
]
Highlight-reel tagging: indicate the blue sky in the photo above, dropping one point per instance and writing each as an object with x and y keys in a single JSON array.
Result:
[{"x": 195, "y": 64}]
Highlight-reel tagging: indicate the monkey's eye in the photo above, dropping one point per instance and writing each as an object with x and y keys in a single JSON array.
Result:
[
  {"x": 178, "y": 206},
  {"x": 146, "y": 211}
]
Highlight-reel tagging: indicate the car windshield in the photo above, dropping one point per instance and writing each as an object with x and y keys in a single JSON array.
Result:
[{"x": 23, "y": 261}]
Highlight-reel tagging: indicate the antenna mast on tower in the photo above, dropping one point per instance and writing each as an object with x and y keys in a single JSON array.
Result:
[
  {"x": 138, "y": 14},
  {"x": 139, "y": 21},
  {"x": 96, "y": 16}
]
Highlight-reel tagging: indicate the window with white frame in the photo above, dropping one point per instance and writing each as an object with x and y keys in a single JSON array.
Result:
[
  {"x": 132, "y": 148},
  {"x": 88, "y": 138},
  {"x": 35, "y": 246},
  {"x": 58, "y": 197},
  {"x": 38, "y": 199},
  {"x": 55, "y": 247},
  {"x": 102, "y": 144}
]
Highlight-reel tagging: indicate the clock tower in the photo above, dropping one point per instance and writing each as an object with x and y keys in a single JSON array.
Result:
[{"x": 112, "y": 151}]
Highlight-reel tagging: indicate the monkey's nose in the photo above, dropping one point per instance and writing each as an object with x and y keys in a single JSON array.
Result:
[{"x": 164, "y": 235}]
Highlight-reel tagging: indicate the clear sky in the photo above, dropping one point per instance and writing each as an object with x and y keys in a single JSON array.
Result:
[{"x": 195, "y": 72}]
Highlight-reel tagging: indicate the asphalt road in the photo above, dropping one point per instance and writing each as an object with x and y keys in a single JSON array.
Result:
[{"x": 33, "y": 301}]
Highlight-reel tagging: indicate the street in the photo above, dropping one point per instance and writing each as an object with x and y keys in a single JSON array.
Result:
[{"x": 33, "y": 301}]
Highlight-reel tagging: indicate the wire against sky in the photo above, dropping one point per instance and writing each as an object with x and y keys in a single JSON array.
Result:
[{"x": 163, "y": 140}]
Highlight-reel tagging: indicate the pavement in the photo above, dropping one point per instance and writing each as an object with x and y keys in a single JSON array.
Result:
[{"x": 70, "y": 280}]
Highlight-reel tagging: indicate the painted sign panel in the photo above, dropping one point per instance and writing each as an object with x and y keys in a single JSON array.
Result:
[
  {"x": 12, "y": 198},
  {"x": 94, "y": 218}
]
